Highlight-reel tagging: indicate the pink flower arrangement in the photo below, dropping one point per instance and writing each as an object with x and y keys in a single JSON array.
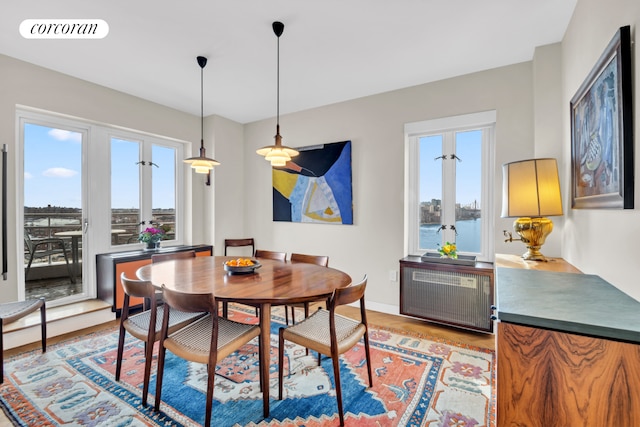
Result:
[{"x": 151, "y": 235}]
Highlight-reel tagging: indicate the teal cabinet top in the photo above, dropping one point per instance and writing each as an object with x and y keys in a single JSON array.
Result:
[{"x": 568, "y": 302}]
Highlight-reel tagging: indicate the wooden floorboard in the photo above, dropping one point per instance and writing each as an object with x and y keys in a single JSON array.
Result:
[{"x": 402, "y": 323}]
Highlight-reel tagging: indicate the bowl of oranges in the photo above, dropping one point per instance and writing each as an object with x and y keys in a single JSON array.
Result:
[{"x": 241, "y": 266}]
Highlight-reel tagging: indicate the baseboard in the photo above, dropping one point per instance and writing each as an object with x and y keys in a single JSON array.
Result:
[
  {"x": 60, "y": 321},
  {"x": 383, "y": 308}
]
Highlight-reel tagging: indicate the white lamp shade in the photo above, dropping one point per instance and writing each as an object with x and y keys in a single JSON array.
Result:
[{"x": 531, "y": 188}]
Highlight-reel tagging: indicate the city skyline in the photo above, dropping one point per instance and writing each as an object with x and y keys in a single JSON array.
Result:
[{"x": 468, "y": 167}]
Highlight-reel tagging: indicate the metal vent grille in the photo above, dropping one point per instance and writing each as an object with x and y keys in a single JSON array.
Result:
[{"x": 448, "y": 297}]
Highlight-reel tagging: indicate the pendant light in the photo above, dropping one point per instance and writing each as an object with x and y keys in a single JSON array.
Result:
[
  {"x": 202, "y": 163},
  {"x": 277, "y": 154}
]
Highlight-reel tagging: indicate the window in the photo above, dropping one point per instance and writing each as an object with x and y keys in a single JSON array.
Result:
[
  {"x": 138, "y": 164},
  {"x": 94, "y": 187},
  {"x": 449, "y": 184}
]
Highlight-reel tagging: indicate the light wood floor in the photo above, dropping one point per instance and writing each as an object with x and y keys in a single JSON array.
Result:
[
  {"x": 404, "y": 323},
  {"x": 478, "y": 339}
]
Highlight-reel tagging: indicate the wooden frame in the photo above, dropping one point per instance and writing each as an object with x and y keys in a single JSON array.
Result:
[{"x": 602, "y": 131}]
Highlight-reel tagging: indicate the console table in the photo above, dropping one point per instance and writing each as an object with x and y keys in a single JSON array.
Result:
[
  {"x": 110, "y": 266},
  {"x": 568, "y": 347}
]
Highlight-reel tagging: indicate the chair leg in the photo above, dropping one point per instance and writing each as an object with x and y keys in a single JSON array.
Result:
[
  {"x": 368, "y": 356},
  {"x": 286, "y": 314},
  {"x": 211, "y": 372},
  {"x": 159, "y": 374},
  {"x": 72, "y": 275},
  {"x": 280, "y": 360},
  {"x": 26, "y": 272},
  {"x": 148, "y": 356},
  {"x": 336, "y": 374},
  {"x": 120, "y": 351},
  {"x": 264, "y": 381},
  {"x": 43, "y": 325},
  {"x": 306, "y": 314},
  {"x": 225, "y": 309}
]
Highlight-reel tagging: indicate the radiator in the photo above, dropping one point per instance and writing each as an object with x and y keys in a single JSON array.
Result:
[{"x": 459, "y": 298}]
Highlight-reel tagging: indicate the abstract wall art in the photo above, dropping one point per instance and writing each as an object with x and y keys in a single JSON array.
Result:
[{"x": 315, "y": 186}]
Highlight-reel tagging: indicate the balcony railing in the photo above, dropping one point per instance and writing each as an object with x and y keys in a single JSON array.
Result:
[{"x": 45, "y": 223}]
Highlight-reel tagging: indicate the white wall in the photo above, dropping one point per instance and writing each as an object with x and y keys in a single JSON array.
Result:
[
  {"x": 375, "y": 125},
  {"x": 602, "y": 242},
  {"x": 227, "y": 220},
  {"x": 22, "y": 83},
  {"x": 547, "y": 116}
]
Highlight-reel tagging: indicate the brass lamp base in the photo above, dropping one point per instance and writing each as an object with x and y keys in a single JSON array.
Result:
[{"x": 533, "y": 232}]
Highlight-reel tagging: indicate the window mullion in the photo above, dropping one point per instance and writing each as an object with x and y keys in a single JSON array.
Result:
[
  {"x": 448, "y": 186},
  {"x": 145, "y": 183}
]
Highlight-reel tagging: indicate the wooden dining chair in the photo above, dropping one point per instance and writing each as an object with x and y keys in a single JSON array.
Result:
[
  {"x": 330, "y": 334},
  {"x": 321, "y": 260},
  {"x": 259, "y": 253},
  {"x": 237, "y": 243},
  {"x": 278, "y": 256},
  {"x": 207, "y": 341},
  {"x": 169, "y": 257},
  {"x": 145, "y": 325},
  {"x": 13, "y": 311}
]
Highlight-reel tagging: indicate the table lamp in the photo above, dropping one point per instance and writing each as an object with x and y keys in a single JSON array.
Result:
[{"x": 531, "y": 191}]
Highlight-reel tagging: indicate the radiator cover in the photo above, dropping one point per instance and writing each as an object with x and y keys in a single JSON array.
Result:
[{"x": 459, "y": 296}]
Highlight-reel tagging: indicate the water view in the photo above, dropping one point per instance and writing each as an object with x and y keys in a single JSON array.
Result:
[{"x": 467, "y": 240}]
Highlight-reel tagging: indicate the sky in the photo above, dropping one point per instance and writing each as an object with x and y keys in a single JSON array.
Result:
[
  {"x": 468, "y": 169},
  {"x": 53, "y": 170}
]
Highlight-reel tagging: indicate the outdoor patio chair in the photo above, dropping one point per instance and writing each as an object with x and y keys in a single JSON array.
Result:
[{"x": 45, "y": 247}]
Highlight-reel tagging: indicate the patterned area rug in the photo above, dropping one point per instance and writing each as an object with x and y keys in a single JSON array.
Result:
[{"x": 418, "y": 381}]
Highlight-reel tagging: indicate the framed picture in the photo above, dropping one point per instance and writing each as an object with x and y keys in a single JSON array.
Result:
[
  {"x": 602, "y": 131},
  {"x": 315, "y": 186}
]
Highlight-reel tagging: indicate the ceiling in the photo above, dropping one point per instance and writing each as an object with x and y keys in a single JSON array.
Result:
[{"x": 331, "y": 50}]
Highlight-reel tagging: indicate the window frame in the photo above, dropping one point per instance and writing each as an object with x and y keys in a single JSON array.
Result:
[
  {"x": 484, "y": 121},
  {"x": 147, "y": 142},
  {"x": 97, "y": 183}
]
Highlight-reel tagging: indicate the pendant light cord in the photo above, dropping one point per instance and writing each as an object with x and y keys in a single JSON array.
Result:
[
  {"x": 278, "y": 85},
  {"x": 201, "y": 107}
]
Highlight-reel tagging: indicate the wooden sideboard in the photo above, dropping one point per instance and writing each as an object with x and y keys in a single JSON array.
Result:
[
  {"x": 110, "y": 266},
  {"x": 568, "y": 347}
]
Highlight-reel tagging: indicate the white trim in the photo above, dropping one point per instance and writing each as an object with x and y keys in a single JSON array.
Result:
[
  {"x": 96, "y": 199},
  {"x": 484, "y": 121},
  {"x": 473, "y": 120}
]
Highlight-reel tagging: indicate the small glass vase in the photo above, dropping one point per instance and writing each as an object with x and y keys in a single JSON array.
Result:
[{"x": 152, "y": 246}]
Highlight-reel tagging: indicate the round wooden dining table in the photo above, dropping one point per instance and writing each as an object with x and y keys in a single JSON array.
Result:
[{"x": 274, "y": 283}]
